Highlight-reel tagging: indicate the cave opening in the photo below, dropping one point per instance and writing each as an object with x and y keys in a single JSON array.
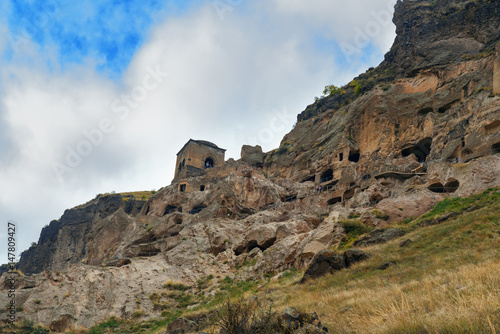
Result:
[
  {"x": 354, "y": 156},
  {"x": 447, "y": 107},
  {"x": 310, "y": 179},
  {"x": 253, "y": 244},
  {"x": 421, "y": 150},
  {"x": 149, "y": 252},
  {"x": 495, "y": 148},
  {"x": 451, "y": 186},
  {"x": 170, "y": 209},
  {"x": 327, "y": 176},
  {"x": 334, "y": 200},
  {"x": 348, "y": 194},
  {"x": 425, "y": 111},
  {"x": 437, "y": 188},
  {"x": 197, "y": 209},
  {"x": 492, "y": 127}
]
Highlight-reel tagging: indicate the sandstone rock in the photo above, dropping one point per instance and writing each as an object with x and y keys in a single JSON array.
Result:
[
  {"x": 318, "y": 240},
  {"x": 62, "y": 324},
  {"x": 253, "y": 155}
]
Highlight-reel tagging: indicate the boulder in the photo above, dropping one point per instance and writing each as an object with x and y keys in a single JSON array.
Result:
[
  {"x": 387, "y": 265},
  {"x": 352, "y": 256},
  {"x": 438, "y": 220},
  {"x": 324, "y": 262},
  {"x": 180, "y": 326},
  {"x": 291, "y": 320}
]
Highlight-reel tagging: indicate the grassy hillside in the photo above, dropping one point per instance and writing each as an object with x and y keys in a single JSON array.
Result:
[{"x": 447, "y": 280}]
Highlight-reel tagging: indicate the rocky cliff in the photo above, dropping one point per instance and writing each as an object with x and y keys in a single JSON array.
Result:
[
  {"x": 66, "y": 241},
  {"x": 421, "y": 127}
]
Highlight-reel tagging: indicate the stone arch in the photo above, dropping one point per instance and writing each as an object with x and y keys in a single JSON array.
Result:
[
  {"x": 209, "y": 162},
  {"x": 182, "y": 164}
]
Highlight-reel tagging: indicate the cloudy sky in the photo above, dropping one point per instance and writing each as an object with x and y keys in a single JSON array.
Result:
[{"x": 98, "y": 96}]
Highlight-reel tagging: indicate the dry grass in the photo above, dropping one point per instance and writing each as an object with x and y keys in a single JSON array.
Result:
[{"x": 464, "y": 300}]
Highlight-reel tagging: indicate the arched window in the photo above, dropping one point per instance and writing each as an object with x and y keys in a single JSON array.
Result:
[
  {"x": 181, "y": 165},
  {"x": 209, "y": 163}
]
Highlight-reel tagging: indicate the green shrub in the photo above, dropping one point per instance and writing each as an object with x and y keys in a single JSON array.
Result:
[
  {"x": 353, "y": 229},
  {"x": 380, "y": 215},
  {"x": 331, "y": 90},
  {"x": 112, "y": 322},
  {"x": 176, "y": 286},
  {"x": 244, "y": 316}
]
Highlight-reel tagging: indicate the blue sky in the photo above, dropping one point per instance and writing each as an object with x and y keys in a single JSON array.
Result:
[
  {"x": 109, "y": 32},
  {"x": 124, "y": 84}
]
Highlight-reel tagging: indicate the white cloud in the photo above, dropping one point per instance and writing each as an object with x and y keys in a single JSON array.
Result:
[
  {"x": 344, "y": 21},
  {"x": 228, "y": 80}
]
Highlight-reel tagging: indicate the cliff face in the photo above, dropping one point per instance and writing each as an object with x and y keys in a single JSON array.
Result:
[
  {"x": 438, "y": 33},
  {"x": 429, "y": 35},
  {"x": 434, "y": 96},
  {"x": 422, "y": 126},
  {"x": 65, "y": 241}
]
